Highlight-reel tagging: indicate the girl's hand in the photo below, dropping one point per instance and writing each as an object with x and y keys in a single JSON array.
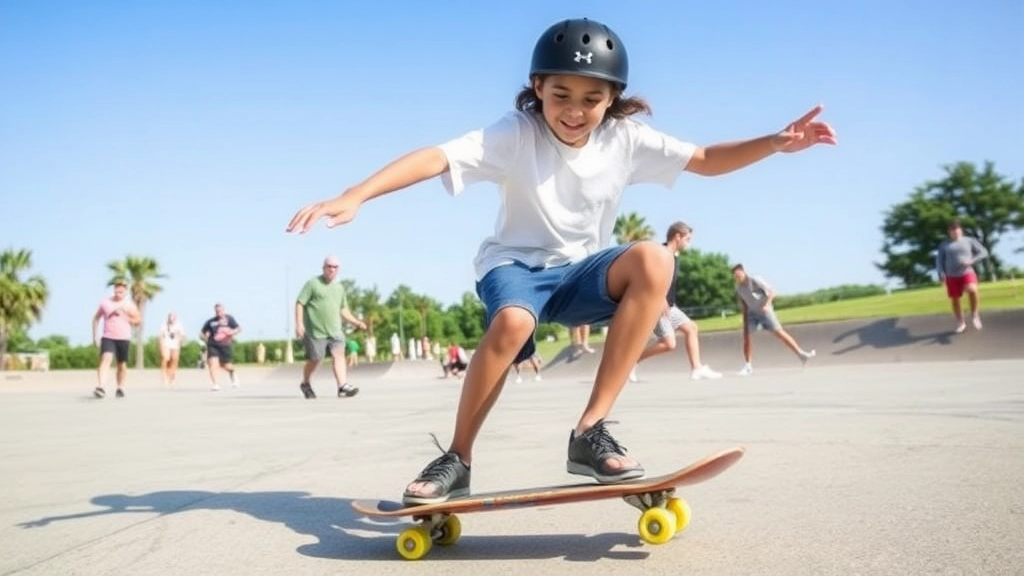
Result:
[
  {"x": 338, "y": 211},
  {"x": 804, "y": 133}
]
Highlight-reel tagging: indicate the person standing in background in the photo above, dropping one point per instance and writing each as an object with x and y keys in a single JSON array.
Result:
[
  {"x": 755, "y": 297},
  {"x": 955, "y": 261}
]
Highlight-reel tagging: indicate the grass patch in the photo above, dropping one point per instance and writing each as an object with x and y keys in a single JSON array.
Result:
[{"x": 1002, "y": 295}]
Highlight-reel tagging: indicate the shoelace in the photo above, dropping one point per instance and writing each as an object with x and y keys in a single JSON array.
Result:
[
  {"x": 602, "y": 438},
  {"x": 442, "y": 469}
]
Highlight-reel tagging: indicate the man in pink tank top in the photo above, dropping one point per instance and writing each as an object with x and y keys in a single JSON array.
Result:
[{"x": 119, "y": 314}]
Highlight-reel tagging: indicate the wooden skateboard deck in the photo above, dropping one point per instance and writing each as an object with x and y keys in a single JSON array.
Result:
[{"x": 663, "y": 514}]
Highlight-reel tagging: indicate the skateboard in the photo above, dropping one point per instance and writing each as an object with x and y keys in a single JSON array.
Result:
[{"x": 663, "y": 515}]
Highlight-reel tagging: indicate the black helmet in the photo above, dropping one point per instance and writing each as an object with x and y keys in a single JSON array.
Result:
[{"x": 581, "y": 47}]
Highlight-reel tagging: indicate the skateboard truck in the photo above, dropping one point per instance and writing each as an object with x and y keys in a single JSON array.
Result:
[{"x": 648, "y": 500}]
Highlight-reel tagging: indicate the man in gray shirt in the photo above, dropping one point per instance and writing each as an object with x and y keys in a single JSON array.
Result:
[
  {"x": 755, "y": 298},
  {"x": 955, "y": 263}
]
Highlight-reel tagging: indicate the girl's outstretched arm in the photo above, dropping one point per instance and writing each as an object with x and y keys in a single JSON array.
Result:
[
  {"x": 799, "y": 135},
  {"x": 410, "y": 169}
]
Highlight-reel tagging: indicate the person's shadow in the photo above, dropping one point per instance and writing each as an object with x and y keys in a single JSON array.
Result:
[
  {"x": 884, "y": 333},
  {"x": 341, "y": 533}
]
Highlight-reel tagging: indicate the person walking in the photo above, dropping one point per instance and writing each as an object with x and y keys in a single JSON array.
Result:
[
  {"x": 171, "y": 338},
  {"x": 118, "y": 314},
  {"x": 955, "y": 260},
  {"x": 219, "y": 334},
  {"x": 677, "y": 239},
  {"x": 319, "y": 309}
]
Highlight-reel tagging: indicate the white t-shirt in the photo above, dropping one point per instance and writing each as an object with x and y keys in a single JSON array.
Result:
[
  {"x": 172, "y": 335},
  {"x": 558, "y": 203}
]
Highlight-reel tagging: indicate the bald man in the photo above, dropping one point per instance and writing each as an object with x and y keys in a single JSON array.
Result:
[{"x": 319, "y": 310}]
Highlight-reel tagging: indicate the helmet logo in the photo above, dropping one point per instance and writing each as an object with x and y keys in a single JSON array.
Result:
[{"x": 581, "y": 57}]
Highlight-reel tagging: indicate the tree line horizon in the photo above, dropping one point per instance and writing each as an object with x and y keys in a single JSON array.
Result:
[{"x": 988, "y": 206}]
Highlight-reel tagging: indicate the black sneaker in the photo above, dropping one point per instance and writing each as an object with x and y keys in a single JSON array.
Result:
[
  {"x": 589, "y": 453},
  {"x": 347, "y": 391},
  {"x": 119, "y": 393},
  {"x": 99, "y": 392},
  {"x": 449, "y": 476},
  {"x": 307, "y": 390}
]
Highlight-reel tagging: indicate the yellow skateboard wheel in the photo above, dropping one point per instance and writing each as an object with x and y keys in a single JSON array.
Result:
[
  {"x": 657, "y": 525},
  {"x": 681, "y": 510},
  {"x": 450, "y": 530},
  {"x": 414, "y": 543}
]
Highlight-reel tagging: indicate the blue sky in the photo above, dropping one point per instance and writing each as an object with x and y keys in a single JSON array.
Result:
[{"x": 192, "y": 131}]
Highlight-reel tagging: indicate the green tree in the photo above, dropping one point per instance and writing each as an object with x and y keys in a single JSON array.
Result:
[
  {"x": 53, "y": 341},
  {"x": 21, "y": 299},
  {"x": 987, "y": 204},
  {"x": 140, "y": 271},
  {"x": 469, "y": 318},
  {"x": 403, "y": 315},
  {"x": 368, "y": 302},
  {"x": 631, "y": 228},
  {"x": 705, "y": 283}
]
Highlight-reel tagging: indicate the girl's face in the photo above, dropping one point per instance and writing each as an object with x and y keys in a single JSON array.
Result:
[{"x": 573, "y": 105}]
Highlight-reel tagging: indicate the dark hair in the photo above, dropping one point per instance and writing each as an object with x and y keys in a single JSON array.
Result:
[
  {"x": 527, "y": 101},
  {"x": 677, "y": 228},
  {"x": 738, "y": 267},
  {"x": 953, "y": 225}
]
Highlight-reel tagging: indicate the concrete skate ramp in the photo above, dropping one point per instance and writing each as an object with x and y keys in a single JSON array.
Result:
[
  {"x": 850, "y": 342},
  {"x": 405, "y": 369}
]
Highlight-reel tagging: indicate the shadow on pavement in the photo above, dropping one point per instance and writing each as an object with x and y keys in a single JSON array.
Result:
[
  {"x": 886, "y": 333},
  {"x": 341, "y": 533}
]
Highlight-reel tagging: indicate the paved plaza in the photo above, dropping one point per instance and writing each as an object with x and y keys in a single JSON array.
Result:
[{"x": 888, "y": 468}]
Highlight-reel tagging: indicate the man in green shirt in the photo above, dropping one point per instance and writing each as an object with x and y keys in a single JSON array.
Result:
[{"x": 319, "y": 310}]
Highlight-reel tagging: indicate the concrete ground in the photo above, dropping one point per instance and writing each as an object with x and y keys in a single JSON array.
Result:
[{"x": 908, "y": 467}]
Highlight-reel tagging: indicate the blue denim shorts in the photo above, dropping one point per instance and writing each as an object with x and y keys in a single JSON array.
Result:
[{"x": 572, "y": 294}]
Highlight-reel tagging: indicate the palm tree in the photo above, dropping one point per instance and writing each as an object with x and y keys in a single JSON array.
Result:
[
  {"x": 140, "y": 271},
  {"x": 631, "y": 228},
  {"x": 21, "y": 301},
  {"x": 369, "y": 302}
]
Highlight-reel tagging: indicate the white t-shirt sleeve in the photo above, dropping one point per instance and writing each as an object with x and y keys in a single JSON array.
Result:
[
  {"x": 484, "y": 155},
  {"x": 657, "y": 157}
]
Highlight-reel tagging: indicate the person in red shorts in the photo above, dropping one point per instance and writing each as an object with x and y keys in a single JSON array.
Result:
[{"x": 955, "y": 263}]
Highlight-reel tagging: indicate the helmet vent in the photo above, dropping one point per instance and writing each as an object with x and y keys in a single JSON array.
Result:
[
  {"x": 586, "y": 38},
  {"x": 610, "y": 44},
  {"x": 559, "y": 37}
]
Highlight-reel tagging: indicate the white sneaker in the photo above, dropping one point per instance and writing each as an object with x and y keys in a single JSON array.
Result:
[
  {"x": 703, "y": 372},
  {"x": 805, "y": 356},
  {"x": 977, "y": 322},
  {"x": 747, "y": 370},
  {"x": 960, "y": 328},
  {"x": 234, "y": 380},
  {"x": 537, "y": 378},
  {"x": 215, "y": 387},
  {"x": 519, "y": 379},
  {"x": 632, "y": 374}
]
